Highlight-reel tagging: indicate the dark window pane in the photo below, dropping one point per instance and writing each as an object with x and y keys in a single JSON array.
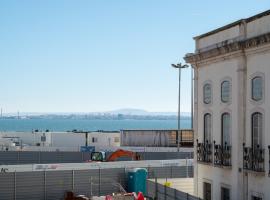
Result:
[
  {"x": 225, "y": 91},
  {"x": 225, "y": 193},
  {"x": 257, "y": 88},
  {"x": 206, "y": 191},
  {"x": 226, "y": 127},
  {"x": 207, "y": 93},
  {"x": 257, "y": 129},
  {"x": 256, "y": 198},
  {"x": 207, "y": 128}
]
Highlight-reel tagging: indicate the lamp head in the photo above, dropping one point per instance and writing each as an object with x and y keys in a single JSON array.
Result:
[
  {"x": 173, "y": 65},
  {"x": 179, "y": 65}
]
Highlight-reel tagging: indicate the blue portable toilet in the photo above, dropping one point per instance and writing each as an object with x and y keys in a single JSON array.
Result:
[{"x": 137, "y": 180}]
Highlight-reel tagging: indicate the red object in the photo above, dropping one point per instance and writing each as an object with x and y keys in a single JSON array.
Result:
[
  {"x": 120, "y": 153},
  {"x": 140, "y": 196},
  {"x": 108, "y": 197}
]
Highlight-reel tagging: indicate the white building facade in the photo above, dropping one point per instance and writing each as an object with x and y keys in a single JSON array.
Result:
[{"x": 232, "y": 110}]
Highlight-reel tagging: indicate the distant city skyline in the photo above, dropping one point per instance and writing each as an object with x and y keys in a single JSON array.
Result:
[
  {"x": 125, "y": 111},
  {"x": 96, "y": 56}
]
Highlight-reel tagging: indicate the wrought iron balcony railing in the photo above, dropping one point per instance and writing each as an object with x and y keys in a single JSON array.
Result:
[
  {"x": 269, "y": 158},
  {"x": 253, "y": 158},
  {"x": 222, "y": 155},
  {"x": 204, "y": 152}
]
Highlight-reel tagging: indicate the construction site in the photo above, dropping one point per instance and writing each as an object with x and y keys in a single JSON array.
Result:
[{"x": 97, "y": 174}]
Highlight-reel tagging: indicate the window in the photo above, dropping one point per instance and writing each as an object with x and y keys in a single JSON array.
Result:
[
  {"x": 207, "y": 128},
  {"x": 226, "y": 128},
  {"x": 207, "y": 191},
  {"x": 94, "y": 139},
  {"x": 116, "y": 139},
  {"x": 225, "y": 91},
  {"x": 256, "y": 198},
  {"x": 256, "y": 129},
  {"x": 225, "y": 193},
  {"x": 257, "y": 88},
  {"x": 207, "y": 93}
]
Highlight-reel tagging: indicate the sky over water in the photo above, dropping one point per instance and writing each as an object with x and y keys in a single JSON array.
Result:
[{"x": 88, "y": 56}]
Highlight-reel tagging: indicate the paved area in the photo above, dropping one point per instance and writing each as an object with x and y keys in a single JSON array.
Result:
[{"x": 181, "y": 184}]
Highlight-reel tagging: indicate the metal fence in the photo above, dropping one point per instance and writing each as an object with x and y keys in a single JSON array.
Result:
[
  {"x": 157, "y": 138},
  {"x": 52, "y": 185},
  {"x": 162, "y": 192},
  {"x": 24, "y": 157}
]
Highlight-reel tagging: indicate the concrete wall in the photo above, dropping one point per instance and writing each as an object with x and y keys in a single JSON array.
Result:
[
  {"x": 253, "y": 28},
  {"x": 231, "y": 33},
  {"x": 258, "y": 27}
]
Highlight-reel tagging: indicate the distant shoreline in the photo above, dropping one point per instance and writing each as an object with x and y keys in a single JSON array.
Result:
[
  {"x": 99, "y": 117},
  {"x": 69, "y": 124}
]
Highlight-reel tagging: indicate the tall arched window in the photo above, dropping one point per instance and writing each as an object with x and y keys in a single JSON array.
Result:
[
  {"x": 207, "y": 93},
  {"x": 257, "y": 88},
  {"x": 225, "y": 129},
  {"x": 257, "y": 129},
  {"x": 225, "y": 91},
  {"x": 207, "y": 128}
]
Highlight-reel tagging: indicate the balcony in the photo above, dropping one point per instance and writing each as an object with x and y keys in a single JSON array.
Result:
[
  {"x": 204, "y": 152},
  {"x": 269, "y": 159},
  {"x": 253, "y": 159},
  {"x": 222, "y": 155}
]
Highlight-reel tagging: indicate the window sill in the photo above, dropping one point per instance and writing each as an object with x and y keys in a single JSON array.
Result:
[
  {"x": 254, "y": 172},
  {"x": 223, "y": 167},
  {"x": 205, "y": 163}
]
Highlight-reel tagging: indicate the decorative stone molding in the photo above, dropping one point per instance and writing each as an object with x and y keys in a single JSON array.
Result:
[{"x": 226, "y": 47}]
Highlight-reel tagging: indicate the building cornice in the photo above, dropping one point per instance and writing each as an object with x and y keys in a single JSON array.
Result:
[
  {"x": 247, "y": 20},
  {"x": 221, "y": 49}
]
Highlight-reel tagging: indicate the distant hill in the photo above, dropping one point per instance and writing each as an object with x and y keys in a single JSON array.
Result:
[{"x": 131, "y": 111}]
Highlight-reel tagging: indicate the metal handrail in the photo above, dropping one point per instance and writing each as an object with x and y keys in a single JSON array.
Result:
[
  {"x": 253, "y": 158},
  {"x": 222, "y": 154},
  {"x": 204, "y": 152}
]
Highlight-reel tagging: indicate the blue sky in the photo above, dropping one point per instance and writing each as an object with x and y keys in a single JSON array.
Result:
[{"x": 99, "y": 55}]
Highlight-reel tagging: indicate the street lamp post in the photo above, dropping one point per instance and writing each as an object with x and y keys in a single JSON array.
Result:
[
  {"x": 179, "y": 66},
  {"x": 192, "y": 102}
]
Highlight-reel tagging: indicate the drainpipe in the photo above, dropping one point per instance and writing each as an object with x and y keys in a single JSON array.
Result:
[
  {"x": 192, "y": 102},
  {"x": 195, "y": 125},
  {"x": 243, "y": 101}
]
